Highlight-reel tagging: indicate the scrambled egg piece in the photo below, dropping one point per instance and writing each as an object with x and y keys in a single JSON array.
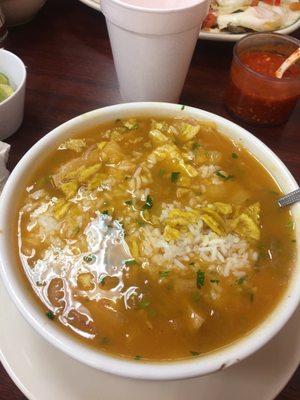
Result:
[
  {"x": 246, "y": 227},
  {"x": 212, "y": 224},
  {"x": 158, "y": 137},
  {"x": 182, "y": 218},
  {"x": 131, "y": 124},
  {"x": 60, "y": 209},
  {"x": 85, "y": 174},
  {"x": 69, "y": 189},
  {"x": 76, "y": 145},
  {"x": 187, "y": 132},
  {"x": 170, "y": 152},
  {"x": 171, "y": 233}
]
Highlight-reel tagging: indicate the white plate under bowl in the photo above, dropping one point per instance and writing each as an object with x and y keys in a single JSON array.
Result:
[
  {"x": 44, "y": 373},
  {"x": 220, "y": 36}
]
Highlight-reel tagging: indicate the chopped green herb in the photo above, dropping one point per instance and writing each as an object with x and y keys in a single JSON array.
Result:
[
  {"x": 164, "y": 274},
  {"x": 241, "y": 280},
  {"x": 104, "y": 340},
  {"x": 149, "y": 203},
  {"x": 50, "y": 315},
  {"x": 161, "y": 172},
  {"x": 196, "y": 296},
  {"x": 196, "y": 146},
  {"x": 138, "y": 357},
  {"x": 200, "y": 278},
  {"x": 130, "y": 262},
  {"x": 234, "y": 156},
  {"x": 182, "y": 107},
  {"x": 131, "y": 124},
  {"x": 89, "y": 258},
  {"x": 215, "y": 281},
  {"x": 102, "y": 280},
  {"x": 194, "y": 353},
  {"x": 144, "y": 303},
  {"x": 174, "y": 177},
  {"x": 106, "y": 212},
  {"x": 128, "y": 202},
  {"x": 224, "y": 177}
]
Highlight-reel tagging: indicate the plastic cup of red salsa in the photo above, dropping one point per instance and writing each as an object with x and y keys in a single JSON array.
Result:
[{"x": 254, "y": 94}]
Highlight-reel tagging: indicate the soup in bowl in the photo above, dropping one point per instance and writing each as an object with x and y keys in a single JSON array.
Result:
[{"x": 145, "y": 240}]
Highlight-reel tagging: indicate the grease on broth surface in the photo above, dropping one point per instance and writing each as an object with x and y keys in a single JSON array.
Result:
[{"x": 155, "y": 239}]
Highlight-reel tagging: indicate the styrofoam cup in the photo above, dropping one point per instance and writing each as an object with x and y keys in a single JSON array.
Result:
[
  {"x": 11, "y": 109},
  {"x": 152, "y": 48}
]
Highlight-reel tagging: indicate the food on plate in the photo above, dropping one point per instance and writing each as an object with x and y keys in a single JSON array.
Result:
[
  {"x": 242, "y": 16},
  {"x": 6, "y": 89},
  {"x": 154, "y": 239},
  {"x": 255, "y": 94}
]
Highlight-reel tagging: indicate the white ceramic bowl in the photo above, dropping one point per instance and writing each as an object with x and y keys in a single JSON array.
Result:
[
  {"x": 18, "y": 12},
  {"x": 12, "y": 109},
  {"x": 137, "y": 369}
]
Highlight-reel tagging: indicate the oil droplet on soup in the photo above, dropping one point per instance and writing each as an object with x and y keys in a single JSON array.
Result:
[{"x": 154, "y": 238}]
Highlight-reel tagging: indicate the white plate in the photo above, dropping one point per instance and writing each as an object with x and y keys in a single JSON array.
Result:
[
  {"x": 221, "y": 36},
  {"x": 43, "y": 372}
]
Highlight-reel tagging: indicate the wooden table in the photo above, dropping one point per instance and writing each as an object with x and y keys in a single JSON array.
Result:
[{"x": 70, "y": 71}]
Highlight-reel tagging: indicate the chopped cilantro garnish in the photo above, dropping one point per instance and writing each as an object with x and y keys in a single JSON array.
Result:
[
  {"x": 224, "y": 177},
  {"x": 144, "y": 303},
  {"x": 174, "y": 177},
  {"x": 89, "y": 258},
  {"x": 106, "y": 212},
  {"x": 102, "y": 280},
  {"x": 215, "y": 281},
  {"x": 130, "y": 262},
  {"x": 149, "y": 202},
  {"x": 241, "y": 280},
  {"x": 50, "y": 315},
  {"x": 200, "y": 278},
  {"x": 164, "y": 274},
  {"x": 234, "y": 156},
  {"x": 182, "y": 107},
  {"x": 128, "y": 202},
  {"x": 138, "y": 357},
  {"x": 194, "y": 353},
  {"x": 161, "y": 172},
  {"x": 196, "y": 146}
]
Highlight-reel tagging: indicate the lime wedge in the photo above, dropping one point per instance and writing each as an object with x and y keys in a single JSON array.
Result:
[
  {"x": 5, "y": 92},
  {"x": 4, "y": 79}
]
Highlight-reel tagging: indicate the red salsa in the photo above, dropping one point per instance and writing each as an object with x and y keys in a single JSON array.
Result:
[{"x": 255, "y": 94}]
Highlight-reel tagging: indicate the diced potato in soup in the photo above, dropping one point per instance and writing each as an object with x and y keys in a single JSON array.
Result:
[{"x": 154, "y": 239}]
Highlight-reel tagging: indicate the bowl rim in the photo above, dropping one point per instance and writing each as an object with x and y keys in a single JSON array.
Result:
[
  {"x": 169, "y": 370},
  {"x": 19, "y": 62}
]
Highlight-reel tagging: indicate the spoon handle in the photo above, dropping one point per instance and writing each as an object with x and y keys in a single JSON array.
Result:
[{"x": 289, "y": 198}]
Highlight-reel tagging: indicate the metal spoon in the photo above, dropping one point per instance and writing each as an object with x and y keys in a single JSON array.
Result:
[{"x": 289, "y": 198}]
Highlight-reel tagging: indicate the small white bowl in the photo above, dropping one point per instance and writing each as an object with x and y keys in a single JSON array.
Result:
[
  {"x": 12, "y": 109},
  {"x": 14, "y": 282}
]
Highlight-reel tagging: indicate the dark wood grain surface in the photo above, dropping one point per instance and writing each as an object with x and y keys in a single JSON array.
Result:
[{"x": 70, "y": 71}]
